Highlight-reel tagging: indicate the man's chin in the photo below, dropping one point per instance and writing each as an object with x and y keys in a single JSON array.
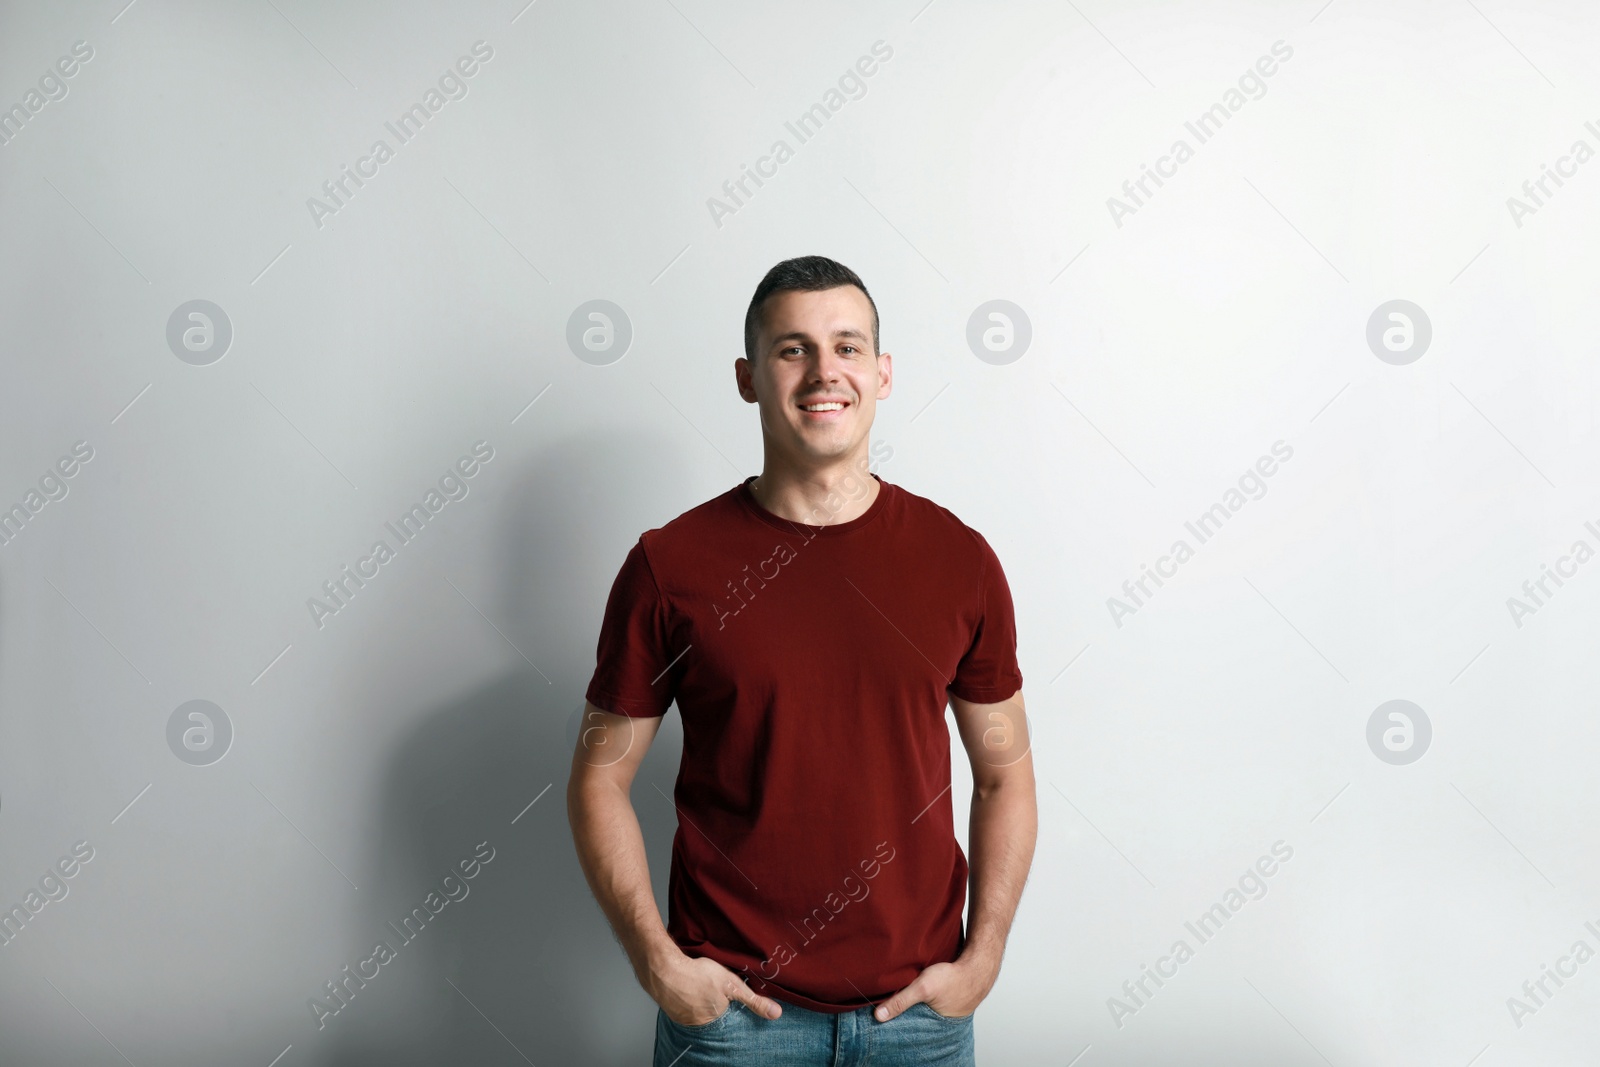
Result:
[
  {"x": 824, "y": 440},
  {"x": 821, "y": 454}
]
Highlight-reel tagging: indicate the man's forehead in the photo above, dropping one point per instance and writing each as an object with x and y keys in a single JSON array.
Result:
[{"x": 853, "y": 318}]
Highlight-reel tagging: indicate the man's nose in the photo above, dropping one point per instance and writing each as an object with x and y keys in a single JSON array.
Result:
[{"x": 825, "y": 366}]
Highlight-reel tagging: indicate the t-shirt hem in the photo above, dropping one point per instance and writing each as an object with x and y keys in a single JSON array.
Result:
[
  {"x": 988, "y": 694},
  {"x": 618, "y": 705},
  {"x": 786, "y": 997}
]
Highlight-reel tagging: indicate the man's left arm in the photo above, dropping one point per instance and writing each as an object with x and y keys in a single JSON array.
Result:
[{"x": 1000, "y": 840}]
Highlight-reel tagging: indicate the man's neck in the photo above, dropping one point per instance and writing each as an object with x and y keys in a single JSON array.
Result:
[{"x": 822, "y": 497}]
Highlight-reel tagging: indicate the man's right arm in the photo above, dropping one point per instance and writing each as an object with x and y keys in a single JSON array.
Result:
[{"x": 605, "y": 829}]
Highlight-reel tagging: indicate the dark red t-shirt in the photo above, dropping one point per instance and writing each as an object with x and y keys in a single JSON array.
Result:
[{"x": 815, "y": 854}]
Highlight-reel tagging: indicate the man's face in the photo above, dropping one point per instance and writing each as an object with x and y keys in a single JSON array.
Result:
[{"x": 816, "y": 348}]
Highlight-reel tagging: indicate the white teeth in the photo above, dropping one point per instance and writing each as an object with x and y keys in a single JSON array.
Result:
[{"x": 832, "y": 406}]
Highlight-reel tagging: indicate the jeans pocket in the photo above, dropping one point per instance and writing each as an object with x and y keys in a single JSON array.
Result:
[
  {"x": 942, "y": 1018},
  {"x": 701, "y": 1028}
]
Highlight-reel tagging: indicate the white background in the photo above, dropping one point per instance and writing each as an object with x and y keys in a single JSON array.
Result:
[{"x": 1168, "y": 353}]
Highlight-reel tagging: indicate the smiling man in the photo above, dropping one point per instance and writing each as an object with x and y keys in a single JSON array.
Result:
[{"x": 811, "y": 624}]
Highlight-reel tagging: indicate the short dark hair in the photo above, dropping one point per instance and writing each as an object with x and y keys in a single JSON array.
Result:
[{"x": 805, "y": 274}]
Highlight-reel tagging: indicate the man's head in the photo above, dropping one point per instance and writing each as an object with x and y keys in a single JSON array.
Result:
[{"x": 810, "y": 336}]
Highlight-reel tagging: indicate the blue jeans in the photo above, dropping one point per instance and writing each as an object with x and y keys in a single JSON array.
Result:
[{"x": 917, "y": 1037}]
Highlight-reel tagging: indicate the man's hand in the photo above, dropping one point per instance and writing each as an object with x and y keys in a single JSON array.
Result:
[
  {"x": 695, "y": 990},
  {"x": 952, "y": 989}
]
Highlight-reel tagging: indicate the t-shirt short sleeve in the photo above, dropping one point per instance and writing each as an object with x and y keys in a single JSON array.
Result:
[
  {"x": 636, "y": 669},
  {"x": 988, "y": 671}
]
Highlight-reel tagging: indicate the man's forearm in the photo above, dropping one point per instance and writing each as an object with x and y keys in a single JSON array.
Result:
[
  {"x": 611, "y": 852},
  {"x": 1001, "y": 835}
]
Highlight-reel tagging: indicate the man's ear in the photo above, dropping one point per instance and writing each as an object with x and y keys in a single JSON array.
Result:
[
  {"x": 885, "y": 375},
  {"x": 744, "y": 379}
]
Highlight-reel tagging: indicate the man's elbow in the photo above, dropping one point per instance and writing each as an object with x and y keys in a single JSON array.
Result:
[{"x": 1013, "y": 782}]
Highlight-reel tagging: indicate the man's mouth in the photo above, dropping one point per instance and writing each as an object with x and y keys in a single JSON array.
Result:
[{"x": 824, "y": 410}]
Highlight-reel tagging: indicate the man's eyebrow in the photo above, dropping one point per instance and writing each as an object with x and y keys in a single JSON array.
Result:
[{"x": 800, "y": 335}]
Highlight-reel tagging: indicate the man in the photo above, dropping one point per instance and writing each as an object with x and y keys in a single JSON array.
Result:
[{"x": 811, "y": 623}]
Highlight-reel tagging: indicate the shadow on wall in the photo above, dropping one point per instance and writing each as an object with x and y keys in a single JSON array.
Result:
[{"x": 525, "y": 958}]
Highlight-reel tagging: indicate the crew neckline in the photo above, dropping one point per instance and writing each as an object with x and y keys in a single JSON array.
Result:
[{"x": 749, "y": 500}]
